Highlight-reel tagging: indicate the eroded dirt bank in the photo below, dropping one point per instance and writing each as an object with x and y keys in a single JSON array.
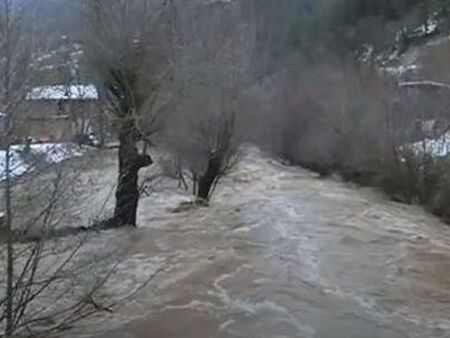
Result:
[{"x": 280, "y": 253}]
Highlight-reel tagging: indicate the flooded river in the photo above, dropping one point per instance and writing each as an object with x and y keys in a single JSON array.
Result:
[{"x": 281, "y": 253}]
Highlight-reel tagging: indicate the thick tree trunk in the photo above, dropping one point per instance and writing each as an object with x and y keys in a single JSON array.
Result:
[
  {"x": 207, "y": 180},
  {"x": 127, "y": 193}
]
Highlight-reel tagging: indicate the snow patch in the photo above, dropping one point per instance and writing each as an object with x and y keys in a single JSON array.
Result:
[
  {"x": 429, "y": 28},
  {"x": 401, "y": 69},
  {"x": 23, "y": 160},
  {"x": 62, "y": 92},
  {"x": 439, "y": 147}
]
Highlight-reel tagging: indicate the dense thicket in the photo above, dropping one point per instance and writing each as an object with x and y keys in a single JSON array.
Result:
[{"x": 331, "y": 108}]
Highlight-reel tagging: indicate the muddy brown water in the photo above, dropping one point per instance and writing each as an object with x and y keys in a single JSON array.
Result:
[{"x": 280, "y": 253}]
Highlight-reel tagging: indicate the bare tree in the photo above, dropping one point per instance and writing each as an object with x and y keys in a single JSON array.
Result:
[
  {"x": 15, "y": 56},
  {"x": 124, "y": 49},
  {"x": 214, "y": 44},
  {"x": 39, "y": 290}
]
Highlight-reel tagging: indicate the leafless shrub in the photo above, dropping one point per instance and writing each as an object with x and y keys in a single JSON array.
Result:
[
  {"x": 46, "y": 290},
  {"x": 172, "y": 167},
  {"x": 330, "y": 118}
]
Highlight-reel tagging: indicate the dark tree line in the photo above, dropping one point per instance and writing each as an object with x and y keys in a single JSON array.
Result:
[{"x": 343, "y": 26}]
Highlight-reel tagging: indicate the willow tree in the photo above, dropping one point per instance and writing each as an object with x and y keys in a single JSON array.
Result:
[
  {"x": 213, "y": 66},
  {"x": 124, "y": 47}
]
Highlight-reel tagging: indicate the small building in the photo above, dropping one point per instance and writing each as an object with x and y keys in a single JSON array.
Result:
[
  {"x": 424, "y": 110},
  {"x": 58, "y": 112}
]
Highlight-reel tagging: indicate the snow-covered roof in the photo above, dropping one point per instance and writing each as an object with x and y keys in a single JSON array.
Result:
[{"x": 62, "y": 92}]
